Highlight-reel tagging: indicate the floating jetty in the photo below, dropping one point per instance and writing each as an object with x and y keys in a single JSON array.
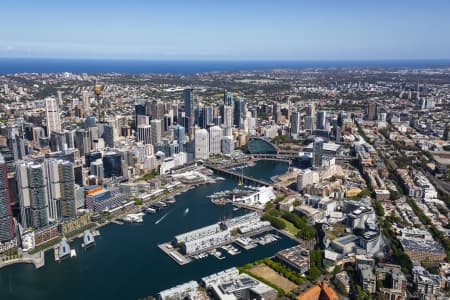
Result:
[
  {"x": 88, "y": 239},
  {"x": 62, "y": 251}
]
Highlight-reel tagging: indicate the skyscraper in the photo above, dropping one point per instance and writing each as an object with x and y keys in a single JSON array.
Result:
[
  {"x": 317, "y": 154},
  {"x": 201, "y": 144},
  {"x": 189, "y": 107},
  {"x": 372, "y": 111},
  {"x": 83, "y": 141},
  {"x": 33, "y": 193},
  {"x": 215, "y": 136},
  {"x": 295, "y": 124},
  {"x": 144, "y": 134},
  {"x": 112, "y": 164},
  {"x": 156, "y": 131},
  {"x": 86, "y": 103},
  {"x": 321, "y": 119},
  {"x": 6, "y": 219},
  {"x": 179, "y": 136},
  {"x": 240, "y": 110},
  {"x": 61, "y": 186},
  {"x": 228, "y": 98},
  {"x": 53, "y": 119},
  {"x": 206, "y": 116},
  {"x": 228, "y": 116}
]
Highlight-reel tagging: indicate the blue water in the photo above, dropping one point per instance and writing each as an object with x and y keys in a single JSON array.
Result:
[
  {"x": 126, "y": 263},
  {"x": 91, "y": 66}
]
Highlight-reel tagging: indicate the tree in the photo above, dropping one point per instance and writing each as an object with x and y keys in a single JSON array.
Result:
[
  {"x": 337, "y": 269},
  {"x": 313, "y": 273}
]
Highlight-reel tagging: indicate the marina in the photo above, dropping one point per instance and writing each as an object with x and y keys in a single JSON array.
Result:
[{"x": 106, "y": 264}]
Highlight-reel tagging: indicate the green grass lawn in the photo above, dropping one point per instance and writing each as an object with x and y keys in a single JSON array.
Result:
[{"x": 290, "y": 227}]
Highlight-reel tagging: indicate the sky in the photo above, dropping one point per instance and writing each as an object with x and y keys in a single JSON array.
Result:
[{"x": 226, "y": 29}]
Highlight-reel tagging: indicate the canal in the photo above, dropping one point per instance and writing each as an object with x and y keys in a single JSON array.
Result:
[{"x": 126, "y": 262}]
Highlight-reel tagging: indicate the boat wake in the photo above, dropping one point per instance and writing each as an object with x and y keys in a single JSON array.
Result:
[
  {"x": 186, "y": 211},
  {"x": 162, "y": 218}
]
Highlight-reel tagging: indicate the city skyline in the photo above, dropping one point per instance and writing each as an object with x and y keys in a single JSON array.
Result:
[{"x": 263, "y": 30}]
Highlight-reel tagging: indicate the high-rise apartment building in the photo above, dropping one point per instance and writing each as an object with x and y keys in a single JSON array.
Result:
[
  {"x": 61, "y": 187},
  {"x": 6, "y": 218},
  {"x": 31, "y": 179},
  {"x": 189, "y": 106},
  {"x": 201, "y": 144},
  {"x": 53, "y": 118},
  {"x": 215, "y": 137}
]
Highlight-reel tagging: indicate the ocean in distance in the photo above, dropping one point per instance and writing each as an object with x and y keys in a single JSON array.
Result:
[{"x": 96, "y": 66}]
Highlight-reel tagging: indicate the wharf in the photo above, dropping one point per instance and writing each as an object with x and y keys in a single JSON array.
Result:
[
  {"x": 182, "y": 259},
  {"x": 174, "y": 254}
]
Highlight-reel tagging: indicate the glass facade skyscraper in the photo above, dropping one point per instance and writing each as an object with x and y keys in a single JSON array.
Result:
[
  {"x": 6, "y": 220},
  {"x": 179, "y": 136}
]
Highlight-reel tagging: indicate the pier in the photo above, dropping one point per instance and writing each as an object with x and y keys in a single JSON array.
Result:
[{"x": 183, "y": 259}]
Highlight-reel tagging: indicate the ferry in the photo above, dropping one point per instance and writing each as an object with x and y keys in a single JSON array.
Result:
[{"x": 88, "y": 239}]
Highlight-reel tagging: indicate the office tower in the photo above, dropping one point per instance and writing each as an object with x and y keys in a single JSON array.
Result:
[
  {"x": 310, "y": 123},
  {"x": 90, "y": 121},
  {"x": 311, "y": 110},
  {"x": 206, "y": 117},
  {"x": 338, "y": 134},
  {"x": 17, "y": 146},
  {"x": 53, "y": 119},
  {"x": 6, "y": 218},
  {"x": 142, "y": 120},
  {"x": 144, "y": 134},
  {"x": 70, "y": 138},
  {"x": 321, "y": 119},
  {"x": 139, "y": 110},
  {"x": 155, "y": 109},
  {"x": 218, "y": 120},
  {"x": 60, "y": 97},
  {"x": 38, "y": 132},
  {"x": 227, "y": 145},
  {"x": 189, "y": 107},
  {"x": 228, "y": 116},
  {"x": 167, "y": 122},
  {"x": 317, "y": 154},
  {"x": 228, "y": 98},
  {"x": 86, "y": 103},
  {"x": 201, "y": 144},
  {"x": 96, "y": 168},
  {"x": 295, "y": 124},
  {"x": 31, "y": 179},
  {"x": 239, "y": 112},
  {"x": 277, "y": 112},
  {"x": 215, "y": 136},
  {"x": 61, "y": 187},
  {"x": 372, "y": 111},
  {"x": 179, "y": 136},
  {"x": 112, "y": 164},
  {"x": 108, "y": 135},
  {"x": 83, "y": 141},
  {"x": 156, "y": 131},
  {"x": 57, "y": 141}
]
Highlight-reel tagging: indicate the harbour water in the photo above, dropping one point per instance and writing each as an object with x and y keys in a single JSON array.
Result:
[{"x": 126, "y": 263}]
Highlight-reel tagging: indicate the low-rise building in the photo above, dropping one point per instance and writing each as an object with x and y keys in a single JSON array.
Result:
[{"x": 295, "y": 257}]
